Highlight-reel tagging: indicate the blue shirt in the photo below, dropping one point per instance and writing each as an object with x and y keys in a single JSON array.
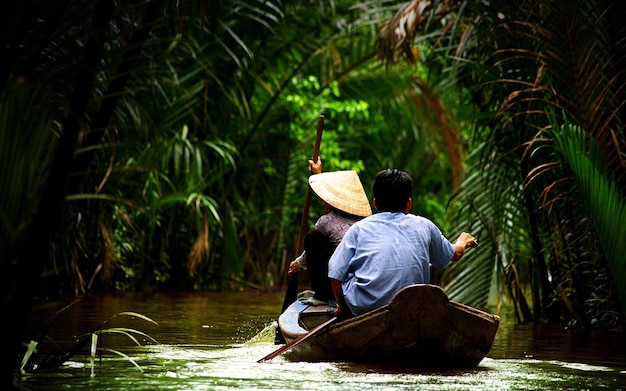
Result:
[{"x": 384, "y": 253}]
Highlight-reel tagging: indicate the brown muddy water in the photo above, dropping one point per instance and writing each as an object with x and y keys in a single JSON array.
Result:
[{"x": 211, "y": 341}]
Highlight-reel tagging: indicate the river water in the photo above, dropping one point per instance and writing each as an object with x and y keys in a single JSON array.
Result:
[{"x": 211, "y": 341}]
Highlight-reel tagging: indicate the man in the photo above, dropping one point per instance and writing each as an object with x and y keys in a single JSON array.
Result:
[{"x": 389, "y": 250}]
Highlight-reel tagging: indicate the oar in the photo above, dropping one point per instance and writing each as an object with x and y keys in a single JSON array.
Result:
[
  {"x": 296, "y": 341},
  {"x": 292, "y": 285}
]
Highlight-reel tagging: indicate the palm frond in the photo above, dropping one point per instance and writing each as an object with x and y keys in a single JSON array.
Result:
[
  {"x": 398, "y": 35},
  {"x": 492, "y": 214},
  {"x": 606, "y": 203}
]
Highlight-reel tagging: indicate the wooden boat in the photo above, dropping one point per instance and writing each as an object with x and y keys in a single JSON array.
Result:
[{"x": 420, "y": 326}]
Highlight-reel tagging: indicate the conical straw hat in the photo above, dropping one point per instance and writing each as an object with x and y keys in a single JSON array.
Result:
[{"x": 342, "y": 190}]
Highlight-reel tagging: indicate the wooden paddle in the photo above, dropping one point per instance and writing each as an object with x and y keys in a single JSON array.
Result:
[
  {"x": 292, "y": 285},
  {"x": 296, "y": 341}
]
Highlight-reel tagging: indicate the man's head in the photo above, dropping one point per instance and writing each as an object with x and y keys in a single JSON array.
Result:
[{"x": 392, "y": 191}]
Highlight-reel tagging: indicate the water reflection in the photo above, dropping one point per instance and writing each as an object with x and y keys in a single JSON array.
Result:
[
  {"x": 212, "y": 341},
  {"x": 546, "y": 342}
]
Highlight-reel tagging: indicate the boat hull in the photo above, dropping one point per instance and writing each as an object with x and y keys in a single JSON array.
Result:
[{"x": 420, "y": 325}]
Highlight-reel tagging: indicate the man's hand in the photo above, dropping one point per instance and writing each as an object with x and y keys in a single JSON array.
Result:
[
  {"x": 467, "y": 240},
  {"x": 463, "y": 242}
]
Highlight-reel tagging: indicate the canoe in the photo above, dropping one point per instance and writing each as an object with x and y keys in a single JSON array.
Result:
[{"x": 420, "y": 326}]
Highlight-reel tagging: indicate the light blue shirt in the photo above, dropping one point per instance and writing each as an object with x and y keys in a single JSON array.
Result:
[{"x": 384, "y": 253}]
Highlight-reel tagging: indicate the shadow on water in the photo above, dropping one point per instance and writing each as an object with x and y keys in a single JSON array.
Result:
[{"x": 211, "y": 341}]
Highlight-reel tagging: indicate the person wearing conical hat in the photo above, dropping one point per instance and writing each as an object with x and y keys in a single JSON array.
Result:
[{"x": 346, "y": 203}]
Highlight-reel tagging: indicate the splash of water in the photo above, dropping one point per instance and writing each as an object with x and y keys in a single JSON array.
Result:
[{"x": 265, "y": 335}]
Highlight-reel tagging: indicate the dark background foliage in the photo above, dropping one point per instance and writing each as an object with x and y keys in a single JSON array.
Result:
[{"x": 164, "y": 145}]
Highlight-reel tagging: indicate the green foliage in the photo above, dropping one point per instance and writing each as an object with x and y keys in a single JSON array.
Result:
[
  {"x": 192, "y": 163},
  {"x": 25, "y": 155},
  {"x": 598, "y": 189},
  {"x": 518, "y": 62},
  {"x": 195, "y": 126},
  {"x": 490, "y": 210}
]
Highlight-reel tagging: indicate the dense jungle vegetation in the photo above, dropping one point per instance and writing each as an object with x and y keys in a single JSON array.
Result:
[{"x": 163, "y": 144}]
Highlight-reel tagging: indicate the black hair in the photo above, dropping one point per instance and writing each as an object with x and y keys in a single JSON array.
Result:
[{"x": 392, "y": 189}]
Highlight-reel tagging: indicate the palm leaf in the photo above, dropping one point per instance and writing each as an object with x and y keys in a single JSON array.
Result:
[
  {"x": 492, "y": 215},
  {"x": 598, "y": 189}
]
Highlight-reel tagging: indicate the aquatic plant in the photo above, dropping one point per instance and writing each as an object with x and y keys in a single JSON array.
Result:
[{"x": 33, "y": 361}]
